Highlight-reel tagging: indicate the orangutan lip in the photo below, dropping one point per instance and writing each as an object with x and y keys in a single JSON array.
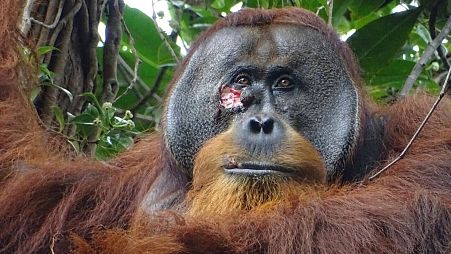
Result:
[{"x": 251, "y": 169}]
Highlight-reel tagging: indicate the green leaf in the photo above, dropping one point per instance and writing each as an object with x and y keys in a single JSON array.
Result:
[
  {"x": 379, "y": 41},
  {"x": 423, "y": 32},
  {"x": 340, "y": 7},
  {"x": 45, "y": 73},
  {"x": 59, "y": 117},
  {"x": 223, "y": 5},
  {"x": 361, "y": 8},
  {"x": 94, "y": 100},
  {"x": 191, "y": 24},
  {"x": 92, "y": 110},
  {"x": 252, "y": 3},
  {"x": 148, "y": 74},
  {"x": 46, "y": 49},
  {"x": 85, "y": 124},
  {"x": 392, "y": 75},
  {"x": 218, "y": 4},
  {"x": 84, "y": 119},
  {"x": 70, "y": 116},
  {"x": 64, "y": 90},
  {"x": 111, "y": 145},
  {"x": 147, "y": 38}
]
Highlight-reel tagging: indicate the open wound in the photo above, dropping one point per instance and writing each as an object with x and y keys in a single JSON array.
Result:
[{"x": 230, "y": 97}]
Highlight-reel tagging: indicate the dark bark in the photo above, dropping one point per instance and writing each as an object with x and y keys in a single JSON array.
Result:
[
  {"x": 110, "y": 54},
  {"x": 74, "y": 64},
  {"x": 59, "y": 37}
]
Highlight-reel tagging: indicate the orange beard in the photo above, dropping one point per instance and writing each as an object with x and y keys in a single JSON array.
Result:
[{"x": 216, "y": 192}]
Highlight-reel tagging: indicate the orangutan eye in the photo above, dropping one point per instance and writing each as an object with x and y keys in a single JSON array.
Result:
[
  {"x": 283, "y": 83},
  {"x": 243, "y": 80}
]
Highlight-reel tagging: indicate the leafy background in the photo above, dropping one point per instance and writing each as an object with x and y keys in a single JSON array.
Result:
[{"x": 387, "y": 36}]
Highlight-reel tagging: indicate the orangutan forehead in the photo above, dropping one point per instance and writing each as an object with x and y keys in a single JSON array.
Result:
[{"x": 260, "y": 43}]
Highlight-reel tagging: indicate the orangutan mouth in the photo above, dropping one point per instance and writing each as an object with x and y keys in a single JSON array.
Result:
[{"x": 256, "y": 169}]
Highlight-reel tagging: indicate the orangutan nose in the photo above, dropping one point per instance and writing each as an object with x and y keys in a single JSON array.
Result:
[
  {"x": 260, "y": 134},
  {"x": 257, "y": 125}
]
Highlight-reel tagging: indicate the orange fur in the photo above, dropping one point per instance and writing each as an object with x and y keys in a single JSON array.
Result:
[
  {"x": 54, "y": 202},
  {"x": 214, "y": 191},
  {"x": 406, "y": 210}
]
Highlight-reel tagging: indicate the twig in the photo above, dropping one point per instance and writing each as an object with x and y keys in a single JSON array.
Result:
[
  {"x": 166, "y": 43},
  {"x": 431, "y": 23},
  {"x": 149, "y": 94},
  {"x": 49, "y": 17},
  {"x": 55, "y": 21},
  {"x": 137, "y": 61},
  {"x": 401, "y": 155},
  {"x": 330, "y": 5},
  {"x": 127, "y": 70},
  {"x": 68, "y": 18},
  {"x": 428, "y": 52},
  {"x": 162, "y": 34},
  {"x": 47, "y": 128},
  {"x": 318, "y": 10},
  {"x": 26, "y": 22}
]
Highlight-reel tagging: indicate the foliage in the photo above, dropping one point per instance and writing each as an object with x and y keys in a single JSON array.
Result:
[
  {"x": 113, "y": 133},
  {"x": 387, "y": 36},
  {"x": 387, "y": 44}
]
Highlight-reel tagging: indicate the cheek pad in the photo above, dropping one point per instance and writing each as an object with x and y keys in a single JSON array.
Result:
[{"x": 190, "y": 121}]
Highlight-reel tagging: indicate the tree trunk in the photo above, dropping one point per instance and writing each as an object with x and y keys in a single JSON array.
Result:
[{"x": 71, "y": 26}]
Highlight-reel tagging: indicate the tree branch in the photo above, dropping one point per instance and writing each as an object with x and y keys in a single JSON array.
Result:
[
  {"x": 64, "y": 21},
  {"x": 113, "y": 35},
  {"x": 330, "y": 9},
  {"x": 88, "y": 20},
  {"x": 52, "y": 8},
  {"x": 137, "y": 61},
  {"x": 163, "y": 35},
  {"x": 152, "y": 91},
  {"x": 55, "y": 21},
  {"x": 26, "y": 22},
  {"x": 129, "y": 71},
  {"x": 428, "y": 52},
  {"x": 431, "y": 23},
  {"x": 49, "y": 94}
]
